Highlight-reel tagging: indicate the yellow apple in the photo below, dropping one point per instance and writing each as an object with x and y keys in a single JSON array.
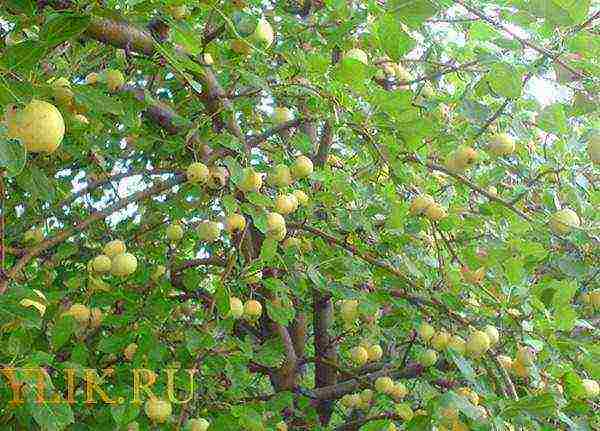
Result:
[
  {"x": 404, "y": 411},
  {"x": 428, "y": 358},
  {"x": 375, "y": 352},
  {"x": 359, "y": 355},
  {"x": 493, "y": 334},
  {"x": 286, "y": 204},
  {"x": 101, "y": 263},
  {"x": 458, "y": 344},
  {"x": 198, "y": 424},
  {"x": 39, "y": 126},
  {"x": 114, "y": 80},
  {"x": 92, "y": 78},
  {"x": 251, "y": 181},
  {"x": 564, "y": 221},
  {"x": 209, "y": 231},
  {"x": 349, "y": 310},
  {"x": 501, "y": 144},
  {"x": 157, "y": 410},
  {"x": 252, "y": 309},
  {"x": 275, "y": 225},
  {"x": 426, "y": 332},
  {"x": 236, "y": 307},
  {"x": 282, "y": 115},
  {"x": 440, "y": 340},
  {"x": 80, "y": 313},
  {"x": 281, "y": 176},
  {"x": 235, "y": 222},
  {"x": 435, "y": 212},
  {"x": 114, "y": 247},
  {"x": 302, "y": 167},
  {"x": 218, "y": 177},
  {"x": 591, "y": 387},
  {"x": 123, "y": 264},
  {"x": 420, "y": 203},
  {"x": 478, "y": 343},
  {"x": 384, "y": 385},
  {"x": 525, "y": 356},
  {"x": 399, "y": 391},
  {"x": 197, "y": 173},
  {"x": 505, "y": 362},
  {"x": 129, "y": 351},
  {"x": 174, "y": 232}
]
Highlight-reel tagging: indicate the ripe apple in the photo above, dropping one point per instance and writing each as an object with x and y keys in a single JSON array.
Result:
[
  {"x": 525, "y": 356},
  {"x": 114, "y": 79},
  {"x": 286, "y": 204},
  {"x": 80, "y": 313},
  {"x": 591, "y": 387},
  {"x": 359, "y": 355},
  {"x": 493, "y": 334},
  {"x": 593, "y": 149},
  {"x": 235, "y": 222},
  {"x": 426, "y": 332},
  {"x": 349, "y": 310},
  {"x": 478, "y": 343},
  {"x": 404, "y": 411},
  {"x": 302, "y": 167},
  {"x": 458, "y": 344},
  {"x": 275, "y": 223},
  {"x": 123, "y": 264},
  {"x": 158, "y": 410},
  {"x": 197, "y": 173},
  {"x": 358, "y": 55},
  {"x": 39, "y": 126},
  {"x": 209, "y": 231},
  {"x": 420, "y": 203},
  {"x": 281, "y": 176},
  {"x": 375, "y": 352},
  {"x": 251, "y": 181},
  {"x": 114, "y": 247},
  {"x": 440, "y": 340},
  {"x": 252, "y": 309},
  {"x": 461, "y": 159},
  {"x": 501, "y": 144},
  {"x": 428, "y": 358},
  {"x": 236, "y": 307},
  {"x": 281, "y": 115},
  {"x": 563, "y": 221},
  {"x": 101, "y": 264},
  {"x": 174, "y": 232},
  {"x": 384, "y": 385},
  {"x": 301, "y": 197},
  {"x": 435, "y": 212}
]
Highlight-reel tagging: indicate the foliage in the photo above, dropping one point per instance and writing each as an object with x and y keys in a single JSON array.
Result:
[{"x": 444, "y": 152}]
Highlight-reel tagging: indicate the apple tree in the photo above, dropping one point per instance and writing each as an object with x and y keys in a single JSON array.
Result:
[{"x": 299, "y": 215}]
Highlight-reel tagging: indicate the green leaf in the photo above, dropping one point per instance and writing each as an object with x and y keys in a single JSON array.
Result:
[
  {"x": 566, "y": 318},
  {"x": 542, "y": 406},
  {"x": 553, "y": 119},
  {"x": 125, "y": 413},
  {"x": 282, "y": 315},
  {"x": 24, "y": 56},
  {"x": 62, "y": 331},
  {"x": 505, "y": 80},
  {"x": 37, "y": 183},
  {"x": 268, "y": 249},
  {"x": 414, "y": 12},
  {"x": 26, "y": 7},
  {"x": 60, "y": 27},
  {"x": 13, "y": 156},
  {"x": 394, "y": 40},
  {"x": 97, "y": 101},
  {"x": 352, "y": 72}
]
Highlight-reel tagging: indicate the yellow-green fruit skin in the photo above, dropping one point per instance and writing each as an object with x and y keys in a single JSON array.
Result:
[
  {"x": 359, "y": 355},
  {"x": 114, "y": 80},
  {"x": 123, "y": 264},
  {"x": 281, "y": 176},
  {"x": 158, "y": 410},
  {"x": 502, "y": 145},
  {"x": 593, "y": 149},
  {"x": 420, "y": 203},
  {"x": 236, "y": 307},
  {"x": 563, "y": 221},
  {"x": 209, "y": 231},
  {"x": 114, "y": 247},
  {"x": 302, "y": 167},
  {"x": 251, "y": 181},
  {"x": 252, "y": 309},
  {"x": 198, "y": 424},
  {"x": 358, "y": 55},
  {"x": 197, "y": 173},
  {"x": 101, "y": 263},
  {"x": 428, "y": 358},
  {"x": 591, "y": 387},
  {"x": 282, "y": 115},
  {"x": 39, "y": 126},
  {"x": 174, "y": 232}
]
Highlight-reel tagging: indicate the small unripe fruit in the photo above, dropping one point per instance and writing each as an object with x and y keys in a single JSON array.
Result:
[
  {"x": 375, "y": 352},
  {"x": 502, "y": 145},
  {"x": 209, "y": 231},
  {"x": 251, "y": 181},
  {"x": 281, "y": 176},
  {"x": 428, "y": 358},
  {"x": 114, "y": 247},
  {"x": 252, "y": 309},
  {"x": 123, "y": 264},
  {"x": 399, "y": 391},
  {"x": 114, "y": 80},
  {"x": 158, "y": 410},
  {"x": 351, "y": 400},
  {"x": 275, "y": 222},
  {"x": 564, "y": 221},
  {"x": 426, "y": 332},
  {"x": 197, "y": 173},
  {"x": 302, "y": 167},
  {"x": 236, "y": 307},
  {"x": 384, "y": 385},
  {"x": 359, "y": 355},
  {"x": 292, "y": 242},
  {"x": 358, "y": 55},
  {"x": 174, "y": 232},
  {"x": 458, "y": 344},
  {"x": 235, "y": 222},
  {"x": 420, "y": 203},
  {"x": 404, "y": 411},
  {"x": 282, "y": 115},
  {"x": 158, "y": 273},
  {"x": 130, "y": 351},
  {"x": 366, "y": 396}
]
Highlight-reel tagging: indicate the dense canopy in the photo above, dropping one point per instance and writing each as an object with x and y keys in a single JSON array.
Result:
[{"x": 326, "y": 214}]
